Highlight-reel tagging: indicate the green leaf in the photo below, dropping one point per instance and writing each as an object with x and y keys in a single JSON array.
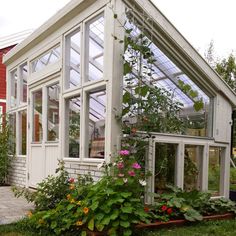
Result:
[
  {"x": 100, "y": 227},
  {"x": 127, "y": 232},
  {"x": 53, "y": 224},
  {"x": 125, "y": 224},
  {"x": 114, "y": 214},
  {"x": 91, "y": 224},
  {"x": 70, "y": 206},
  {"x": 127, "y": 68},
  {"x": 106, "y": 220},
  {"x": 99, "y": 216},
  {"x": 125, "y": 195},
  {"x": 127, "y": 209},
  {"x": 94, "y": 205},
  {"x": 126, "y": 97},
  {"x": 83, "y": 233},
  {"x": 115, "y": 16},
  {"x": 198, "y": 105}
]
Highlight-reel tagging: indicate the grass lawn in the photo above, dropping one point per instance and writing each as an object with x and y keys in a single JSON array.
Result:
[{"x": 211, "y": 228}]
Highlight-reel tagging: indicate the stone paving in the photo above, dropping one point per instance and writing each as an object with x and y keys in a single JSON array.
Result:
[{"x": 11, "y": 208}]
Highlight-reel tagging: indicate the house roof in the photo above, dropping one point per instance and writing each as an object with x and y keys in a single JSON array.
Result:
[
  {"x": 13, "y": 39},
  {"x": 170, "y": 39}
]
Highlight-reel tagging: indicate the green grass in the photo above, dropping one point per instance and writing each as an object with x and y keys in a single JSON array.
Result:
[{"x": 210, "y": 228}]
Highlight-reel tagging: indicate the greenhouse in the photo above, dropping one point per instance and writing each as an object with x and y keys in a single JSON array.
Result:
[{"x": 100, "y": 73}]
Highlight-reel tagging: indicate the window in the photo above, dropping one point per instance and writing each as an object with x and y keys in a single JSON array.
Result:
[
  {"x": 23, "y": 83},
  {"x": 50, "y": 57},
  {"x": 171, "y": 101},
  {"x": 193, "y": 155},
  {"x": 53, "y": 113},
  {"x": 214, "y": 170},
  {"x": 12, "y": 138},
  {"x": 94, "y": 48},
  {"x": 72, "y": 119},
  {"x": 96, "y": 125},
  {"x": 13, "y": 89},
  {"x": 23, "y": 132},
  {"x": 73, "y": 52},
  {"x": 165, "y": 159},
  {"x": 37, "y": 116}
]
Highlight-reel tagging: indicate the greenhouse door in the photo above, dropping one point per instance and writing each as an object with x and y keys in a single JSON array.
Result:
[{"x": 44, "y": 132}]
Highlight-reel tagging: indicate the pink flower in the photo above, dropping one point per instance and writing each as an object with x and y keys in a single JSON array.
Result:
[
  {"x": 71, "y": 180},
  {"x": 121, "y": 175},
  {"x": 131, "y": 173},
  {"x": 120, "y": 165},
  {"x": 136, "y": 165},
  {"x": 124, "y": 152}
]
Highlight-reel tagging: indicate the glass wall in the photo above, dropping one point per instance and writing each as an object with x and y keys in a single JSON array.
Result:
[
  {"x": 193, "y": 157},
  {"x": 37, "y": 116},
  {"x": 214, "y": 170},
  {"x": 23, "y": 132},
  {"x": 53, "y": 113},
  {"x": 13, "y": 91},
  {"x": 165, "y": 162}
]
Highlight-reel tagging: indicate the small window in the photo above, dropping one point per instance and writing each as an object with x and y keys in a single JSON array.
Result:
[
  {"x": 23, "y": 83},
  {"x": 46, "y": 59},
  {"x": 37, "y": 116},
  {"x": 53, "y": 113},
  {"x": 214, "y": 170},
  {"x": 192, "y": 167},
  {"x": 96, "y": 124},
  {"x": 73, "y": 52},
  {"x": 94, "y": 49},
  {"x": 165, "y": 159},
  {"x": 72, "y": 121},
  {"x": 12, "y": 138},
  {"x": 22, "y": 132},
  {"x": 13, "y": 83}
]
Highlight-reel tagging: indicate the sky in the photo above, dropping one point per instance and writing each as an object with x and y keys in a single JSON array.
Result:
[{"x": 200, "y": 22}]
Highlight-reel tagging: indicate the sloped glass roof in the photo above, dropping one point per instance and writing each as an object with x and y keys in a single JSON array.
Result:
[{"x": 165, "y": 74}]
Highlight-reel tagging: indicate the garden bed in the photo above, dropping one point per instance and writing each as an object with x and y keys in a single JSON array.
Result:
[{"x": 181, "y": 222}]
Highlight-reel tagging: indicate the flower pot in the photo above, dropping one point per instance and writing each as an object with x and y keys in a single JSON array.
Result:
[{"x": 232, "y": 195}]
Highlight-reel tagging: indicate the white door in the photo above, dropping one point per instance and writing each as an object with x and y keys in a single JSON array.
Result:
[{"x": 44, "y": 132}]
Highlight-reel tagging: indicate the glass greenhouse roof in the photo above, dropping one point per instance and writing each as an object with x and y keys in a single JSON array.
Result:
[{"x": 165, "y": 74}]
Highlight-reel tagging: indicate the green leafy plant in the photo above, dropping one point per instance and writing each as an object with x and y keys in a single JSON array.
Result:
[{"x": 5, "y": 150}]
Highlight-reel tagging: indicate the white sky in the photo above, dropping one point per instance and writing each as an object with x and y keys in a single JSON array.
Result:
[{"x": 199, "y": 21}]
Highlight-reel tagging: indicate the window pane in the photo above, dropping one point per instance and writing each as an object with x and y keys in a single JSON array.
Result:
[
  {"x": 22, "y": 132},
  {"x": 192, "y": 167},
  {"x": 214, "y": 172},
  {"x": 165, "y": 156},
  {"x": 46, "y": 59},
  {"x": 97, "y": 113},
  {"x": 73, "y": 60},
  {"x": 23, "y": 86},
  {"x": 72, "y": 119},
  {"x": 12, "y": 138},
  {"x": 53, "y": 113},
  {"x": 94, "y": 48},
  {"x": 14, "y": 78},
  {"x": 37, "y": 116}
]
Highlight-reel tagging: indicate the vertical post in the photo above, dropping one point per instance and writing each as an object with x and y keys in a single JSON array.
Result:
[{"x": 179, "y": 166}]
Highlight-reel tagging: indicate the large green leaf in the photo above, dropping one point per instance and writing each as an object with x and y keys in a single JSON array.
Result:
[
  {"x": 127, "y": 209},
  {"x": 91, "y": 224},
  {"x": 125, "y": 224},
  {"x": 127, "y": 68}
]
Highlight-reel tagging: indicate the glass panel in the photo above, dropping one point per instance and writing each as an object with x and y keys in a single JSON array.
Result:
[
  {"x": 157, "y": 91},
  {"x": 165, "y": 158},
  {"x": 37, "y": 116},
  {"x": 12, "y": 137},
  {"x": 22, "y": 132},
  {"x": 94, "y": 48},
  {"x": 49, "y": 57},
  {"x": 53, "y": 113},
  {"x": 192, "y": 167},
  {"x": 23, "y": 88},
  {"x": 214, "y": 171},
  {"x": 14, "y": 78},
  {"x": 97, "y": 113},
  {"x": 73, "y": 60},
  {"x": 72, "y": 120}
]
